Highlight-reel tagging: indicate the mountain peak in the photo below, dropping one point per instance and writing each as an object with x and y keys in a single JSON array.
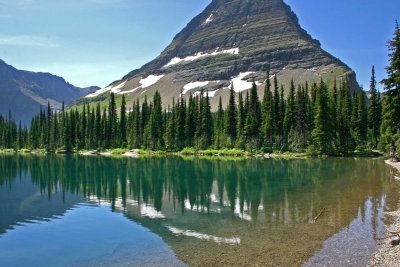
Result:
[{"x": 231, "y": 38}]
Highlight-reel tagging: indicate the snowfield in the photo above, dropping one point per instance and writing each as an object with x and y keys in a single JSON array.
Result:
[
  {"x": 114, "y": 89},
  {"x": 208, "y": 20},
  {"x": 176, "y": 60},
  {"x": 150, "y": 80},
  {"x": 193, "y": 85},
  {"x": 144, "y": 83},
  {"x": 211, "y": 94},
  {"x": 240, "y": 85}
]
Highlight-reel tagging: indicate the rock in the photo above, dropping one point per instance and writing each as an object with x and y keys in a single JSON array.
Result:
[{"x": 131, "y": 154}]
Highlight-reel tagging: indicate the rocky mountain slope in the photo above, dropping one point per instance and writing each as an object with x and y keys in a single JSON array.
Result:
[
  {"x": 232, "y": 42},
  {"x": 23, "y": 92}
]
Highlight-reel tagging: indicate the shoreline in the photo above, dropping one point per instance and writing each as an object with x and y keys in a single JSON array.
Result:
[
  {"x": 210, "y": 153},
  {"x": 395, "y": 165},
  {"x": 387, "y": 254}
]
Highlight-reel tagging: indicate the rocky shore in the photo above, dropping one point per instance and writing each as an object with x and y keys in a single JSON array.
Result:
[
  {"x": 388, "y": 252},
  {"x": 393, "y": 164}
]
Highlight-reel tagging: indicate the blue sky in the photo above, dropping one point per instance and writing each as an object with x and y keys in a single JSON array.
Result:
[{"x": 94, "y": 42}]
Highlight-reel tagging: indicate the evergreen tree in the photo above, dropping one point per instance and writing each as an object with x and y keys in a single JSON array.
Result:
[
  {"x": 253, "y": 118},
  {"x": 191, "y": 122},
  {"x": 374, "y": 112},
  {"x": 391, "y": 102},
  {"x": 267, "y": 128},
  {"x": 181, "y": 122},
  {"x": 321, "y": 133},
  {"x": 219, "y": 126},
  {"x": 290, "y": 117},
  {"x": 144, "y": 116},
  {"x": 123, "y": 123},
  {"x": 282, "y": 112},
  {"x": 346, "y": 144},
  {"x": 278, "y": 118},
  {"x": 135, "y": 130},
  {"x": 206, "y": 123},
  {"x": 231, "y": 119},
  {"x": 68, "y": 133},
  {"x": 98, "y": 137},
  {"x": 334, "y": 109},
  {"x": 170, "y": 133},
  {"x": 301, "y": 129},
  {"x": 240, "y": 122},
  {"x": 155, "y": 125},
  {"x": 112, "y": 133},
  {"x": 362, "y": 125}
]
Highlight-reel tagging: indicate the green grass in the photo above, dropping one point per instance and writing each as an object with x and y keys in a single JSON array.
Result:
[
  {"x": 193, "y": 153},
  {"x": 7, "y": 151}
]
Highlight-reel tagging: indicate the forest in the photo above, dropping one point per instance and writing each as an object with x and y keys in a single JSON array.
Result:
[{"x": 311, "y": 118}]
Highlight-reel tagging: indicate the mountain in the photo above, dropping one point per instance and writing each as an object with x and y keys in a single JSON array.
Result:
[
  {"x": 233, "y": 41},
  {"x": 23, "y": 92}
]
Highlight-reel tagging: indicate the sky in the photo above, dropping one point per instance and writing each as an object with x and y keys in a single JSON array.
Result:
[{"x": 95, "y": 42}]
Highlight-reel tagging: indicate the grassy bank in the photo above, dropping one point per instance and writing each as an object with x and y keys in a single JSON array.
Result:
[{"x": 189, "y": 152}]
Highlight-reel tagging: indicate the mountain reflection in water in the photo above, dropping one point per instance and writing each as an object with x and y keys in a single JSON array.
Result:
[{"x": 214, "y": 212}]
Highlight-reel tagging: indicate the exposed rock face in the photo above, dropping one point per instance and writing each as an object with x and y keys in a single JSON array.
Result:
[
  {"x": 234, "y": 40},
  {"x": 23, "y": 92}
]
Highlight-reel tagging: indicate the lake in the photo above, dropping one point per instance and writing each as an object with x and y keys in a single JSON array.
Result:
[{"x": 98, "y": 211}]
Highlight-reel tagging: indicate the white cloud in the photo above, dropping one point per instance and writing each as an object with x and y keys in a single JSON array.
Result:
[{"x": 27, "y": 40}]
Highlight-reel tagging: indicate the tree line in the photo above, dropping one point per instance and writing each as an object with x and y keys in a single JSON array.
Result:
[
  {"x": 311, "y": 119},
  {"x": 316, "y": 119}
]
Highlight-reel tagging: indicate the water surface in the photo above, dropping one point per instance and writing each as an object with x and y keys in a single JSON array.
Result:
[{"x": 90, "y": 211}]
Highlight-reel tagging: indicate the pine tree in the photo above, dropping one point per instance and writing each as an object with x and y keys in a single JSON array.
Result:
[
  {"x": 170, "y": 132},
  {"x": 374, "y": 112},
  {"x": 206, "y": 122},
  {"x": 278, "y": 118},
  {"x": 112, "y": 135},
  {"x": 123, "y": 123},
  {"x": 135, "y": 131},
  {"x": 155, "y": 125},
  {"x": 181, "y": 121},
  {"x": 219, "y": 126},
  {"x": 253, "y": 118},
  {"x": 301, "y": 128},
  {"x": 391, "y": 104},
  {"x": 267, "y": 127},
  {"x": 144, "y": 116},
  {"x": 362, "y": 126},
  {"x": 81, "y": 130},
  {"x": 346, "y": 144},
  {"x": 240, "y": 123},
  {"x": 334, "y": 107},
  {"x": 68, "y": 133},
  {"x": 231, "y": 119},
  {"x": 191, "y": 122},
  {"x": 321, "y": 133},
  {"x": 290, "y": 117}
]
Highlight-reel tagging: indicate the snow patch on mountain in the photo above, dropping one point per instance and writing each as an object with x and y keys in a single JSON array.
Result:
[
  {"x": 113, "y": 89},
  {"x": 144, "y": 83},
  {"x": 211, "y": 94},
  {"x": 240, "y": 85},
  {"x": 208, "y": 20},
  {"x": 193, "y": 85},
  {"x": 150, "y": 80},
  {"x": 176, "y": 60}
]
